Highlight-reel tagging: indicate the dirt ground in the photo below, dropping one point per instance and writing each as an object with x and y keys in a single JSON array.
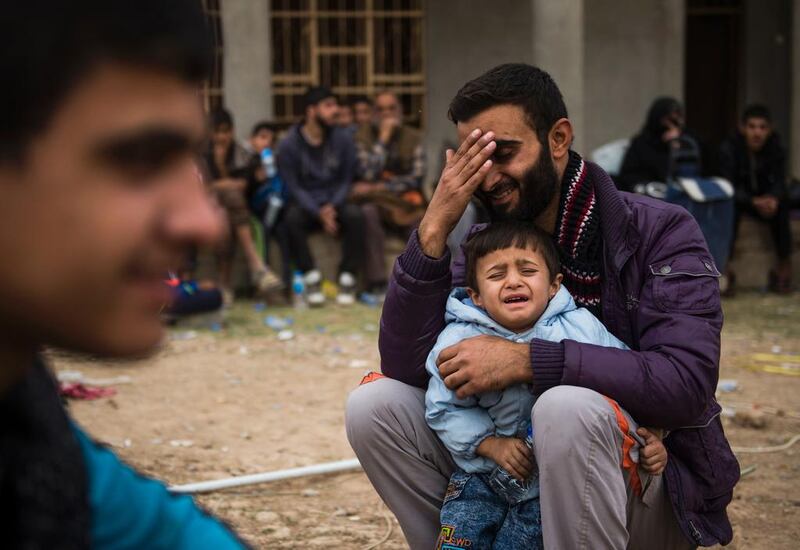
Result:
[{"x": 213, "y": 404}]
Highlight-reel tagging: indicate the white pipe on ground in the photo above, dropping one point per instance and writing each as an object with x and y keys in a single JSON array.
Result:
[{"x": 316, "y": 469}]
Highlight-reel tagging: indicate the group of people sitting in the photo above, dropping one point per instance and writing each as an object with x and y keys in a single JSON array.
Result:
[
  {"x": 354, "y": 172},
  {"x": 752, "y": 159}
]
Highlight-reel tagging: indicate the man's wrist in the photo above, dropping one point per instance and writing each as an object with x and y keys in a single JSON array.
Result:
[
  {"x": 432, "y": 241},
  {"x": 546, "y": 364},
  {"x": 523, "y": 373},
  {"x": 425, "y": 269}
]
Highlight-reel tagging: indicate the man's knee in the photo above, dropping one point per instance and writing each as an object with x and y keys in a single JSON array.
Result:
[
  {"x": 293, "y": 217},
  {"x": 351, "y": 214},
  {"x": 571, "y": 412},
  {"x": 375, "y": 407},
  {"x": 362, "y": 409},
  {"x": 370, "y": 211},
  {"x": 371, "y": 214}
]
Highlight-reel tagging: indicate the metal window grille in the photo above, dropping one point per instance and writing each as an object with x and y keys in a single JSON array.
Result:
[
  {"x": 212, "y": 88},
  {"x": 355, "y": 47}
]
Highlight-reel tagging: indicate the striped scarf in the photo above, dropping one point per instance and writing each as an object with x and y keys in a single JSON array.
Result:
[{"x": 578, "y": 237}]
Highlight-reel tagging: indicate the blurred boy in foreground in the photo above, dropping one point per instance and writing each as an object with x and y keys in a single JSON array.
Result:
[{"x": 99, "y": 199}]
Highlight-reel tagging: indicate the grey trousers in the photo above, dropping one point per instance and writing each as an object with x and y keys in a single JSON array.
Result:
[
  {"x": 586, "y": 495},
  {"x": 374, "y": 245}
]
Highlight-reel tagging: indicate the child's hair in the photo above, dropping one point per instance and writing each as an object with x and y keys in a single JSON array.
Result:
[
  {"x": 509, "y": 234},
  {"x": 264, "y": 125}
]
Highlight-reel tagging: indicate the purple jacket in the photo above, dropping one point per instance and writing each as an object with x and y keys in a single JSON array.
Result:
[{"x": 660, "y": 296}]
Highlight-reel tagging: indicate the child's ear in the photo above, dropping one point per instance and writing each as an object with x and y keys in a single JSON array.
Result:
[
  {"x": 556, "y": 285},
  {"x": 475, "y": 297}
]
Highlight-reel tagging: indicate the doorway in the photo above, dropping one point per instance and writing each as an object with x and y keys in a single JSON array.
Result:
[{"x": 712, "y": 71}]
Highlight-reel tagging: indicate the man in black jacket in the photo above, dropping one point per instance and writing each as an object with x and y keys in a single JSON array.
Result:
[
  {"x": 755, "y": 163},
  {"x": 662, "y": 150}
]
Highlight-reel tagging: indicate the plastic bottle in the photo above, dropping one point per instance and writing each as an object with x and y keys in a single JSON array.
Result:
[
  {"x": 504, "y": 483},
  {"x": 298, "y": 290},
  {"x": 268, "y": 160},
  {"x": 529, "y": 443},
  {"x": 274, "y": 206},
  {"x": 275, "y": 202}
]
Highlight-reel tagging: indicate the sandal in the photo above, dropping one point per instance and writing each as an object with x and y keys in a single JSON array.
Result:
[{"x": 266, "y": 281}]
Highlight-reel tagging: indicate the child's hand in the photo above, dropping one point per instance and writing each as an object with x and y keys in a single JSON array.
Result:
[
  {"x": 509, "y": 453},
  {"x": 653, "y": 456}
]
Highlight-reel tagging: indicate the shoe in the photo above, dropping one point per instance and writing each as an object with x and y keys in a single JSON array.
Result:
[
  {"x": 313, "y": 283},
  {"x": 727, "y": 285},
  {"x": 374, "y": 296},
  {"x": 266, "y": 281},
  {"x": 379, "y": 292},
  {"x": 347, "y": 289},
  {"x": 227, "y": 297},
  {"x": 779, "y": 282}
]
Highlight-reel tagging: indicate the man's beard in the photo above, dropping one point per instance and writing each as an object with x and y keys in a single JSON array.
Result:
[
  {"x": 536, "y": 190},
  {"x": 326, "y": 128}
]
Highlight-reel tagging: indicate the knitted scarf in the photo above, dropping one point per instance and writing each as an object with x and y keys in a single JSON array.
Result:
[
  {"x": 44, "y": 486},
  {"x": 578, "y": 237}
]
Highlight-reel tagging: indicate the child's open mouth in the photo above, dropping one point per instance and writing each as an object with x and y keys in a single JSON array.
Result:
[{"x": 515, "y": 299}]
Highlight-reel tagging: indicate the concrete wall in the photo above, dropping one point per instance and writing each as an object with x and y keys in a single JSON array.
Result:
[
  {"x": 633, "y": 53},
  {"x": 247, "y": 62},
  {"x": 464, "y": 38},
  {"x": 610, "y": 58},
  {"x": 557, "y": 41},
  {"x": 767, "y": 59}
]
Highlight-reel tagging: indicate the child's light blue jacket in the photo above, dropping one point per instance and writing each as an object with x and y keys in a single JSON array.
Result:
[{"x": 462, "y": 424}]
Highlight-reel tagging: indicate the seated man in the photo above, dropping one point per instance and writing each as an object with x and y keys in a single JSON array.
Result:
[
  {"x": 640, "y": 265},
  {"x": 355, "y": 113},
  {"x": 345, "y": 117},
  {"x": 99, "y": 199},
  {"x": 392, "y": 163},
  {"x": 755, "y": 163},
  {"x": 231, "y": 170},
  {"x": 363, "y": 110},
  {"x": 317, "y": 162}
]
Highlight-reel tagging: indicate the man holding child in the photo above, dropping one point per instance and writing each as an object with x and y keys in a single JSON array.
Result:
[{"x": 639, "y": 265}]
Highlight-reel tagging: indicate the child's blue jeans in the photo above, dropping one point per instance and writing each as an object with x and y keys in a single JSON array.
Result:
[{"x": 476, "y": 517}]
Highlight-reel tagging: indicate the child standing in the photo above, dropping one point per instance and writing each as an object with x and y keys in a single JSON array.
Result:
[{"x": 514, "y": 291}]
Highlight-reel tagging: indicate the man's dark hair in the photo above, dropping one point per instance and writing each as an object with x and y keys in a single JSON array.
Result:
[
  {"x": 756, "y": 110},
  {"x": 264, "y": 125},
  {"x": 507, "y": 234},
  {"x": 316, "y": 94},
  {"x": 220, "y": 117},
  {"x": 356, "y": 99},
  {"x": 50, "y": 45},
  {"x": 519, "y": 84}
]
